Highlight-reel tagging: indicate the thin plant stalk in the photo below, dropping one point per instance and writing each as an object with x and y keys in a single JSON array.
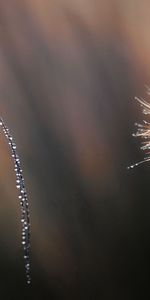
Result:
[{"x": 25, "y": 218}]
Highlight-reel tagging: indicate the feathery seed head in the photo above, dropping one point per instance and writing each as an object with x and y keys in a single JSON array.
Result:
[{"x": 143, "y": 131}]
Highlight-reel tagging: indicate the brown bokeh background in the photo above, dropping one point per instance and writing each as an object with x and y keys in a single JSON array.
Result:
[{"x": 69, "y": 71}]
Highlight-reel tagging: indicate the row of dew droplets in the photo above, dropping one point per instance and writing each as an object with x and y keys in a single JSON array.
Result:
[{"x": 25, "y": 218}]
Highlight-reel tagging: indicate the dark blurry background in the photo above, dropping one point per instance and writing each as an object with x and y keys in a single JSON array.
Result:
[{"x": 69, "y": 71}]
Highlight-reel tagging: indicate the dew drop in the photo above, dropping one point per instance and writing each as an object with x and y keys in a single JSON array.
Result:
[{"x": 23, "y": 199}]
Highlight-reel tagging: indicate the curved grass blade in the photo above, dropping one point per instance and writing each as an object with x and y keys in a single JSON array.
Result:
[{"x": 25, "y": 218}]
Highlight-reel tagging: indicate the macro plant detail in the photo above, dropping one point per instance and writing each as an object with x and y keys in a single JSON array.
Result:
[
  {"x": 25, "y": 218},
  {"x": 143, "y": 131}
]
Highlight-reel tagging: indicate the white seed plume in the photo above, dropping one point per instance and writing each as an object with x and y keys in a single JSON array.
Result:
[
  {"x": 143, "y": 131},
  {"x": 25, "y": 218}
]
